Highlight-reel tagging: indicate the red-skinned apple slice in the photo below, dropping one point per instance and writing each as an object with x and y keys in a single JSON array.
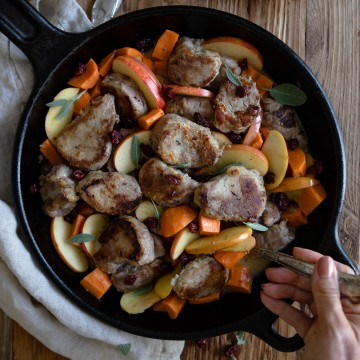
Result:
[
  {"x": 144, "y": 78},
  {"x": 191, "y": 91},
  {"x": 182, "y": 239},
  {"x": 235, "y": 48},
  {"x": 73, "y": 256}
]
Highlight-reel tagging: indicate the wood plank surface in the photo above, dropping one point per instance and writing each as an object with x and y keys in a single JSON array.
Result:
[{"x": 326, "y": 34}]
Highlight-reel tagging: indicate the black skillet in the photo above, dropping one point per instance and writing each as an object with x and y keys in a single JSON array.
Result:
[{"x": 54, "y": 54}]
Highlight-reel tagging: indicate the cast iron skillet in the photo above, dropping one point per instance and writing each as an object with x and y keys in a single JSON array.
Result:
[{"x": 54, "y": 54}]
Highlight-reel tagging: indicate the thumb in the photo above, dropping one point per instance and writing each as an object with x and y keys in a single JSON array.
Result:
[{"x": 326, "y": 291}]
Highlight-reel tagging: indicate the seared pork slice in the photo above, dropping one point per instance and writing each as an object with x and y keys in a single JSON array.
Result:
[
  {"x": 187, "y": 106},
  {"x": 57, "y": 191},
  {"x": 110, "y": 192},
  {"x": 166, "y": 185},
  {"x": 126, "y": 239},
  {"x": 235, "y": 112},
  {"x": 276, "y": 238},
  {"x": 200, "y": 277},
  {"x": 178, "y": 140},
  {"x": 237, "y": 195},
  {"x": 130, "y": 101},
  {"x": 128, "y": 277},
  {"x": 271, "y": 214},
  {"x": 283, "y": 119},
  {"x": 85, "y": 143},
  {"x": 191, "y": 65}
]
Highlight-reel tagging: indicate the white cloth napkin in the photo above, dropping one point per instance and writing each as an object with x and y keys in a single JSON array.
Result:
[{"x": 26, "y": 294}]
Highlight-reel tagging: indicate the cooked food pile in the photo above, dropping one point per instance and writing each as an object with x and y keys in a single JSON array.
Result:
[{"x": 163, "y": 168}]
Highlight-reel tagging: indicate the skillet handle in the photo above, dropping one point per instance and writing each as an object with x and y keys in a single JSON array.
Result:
[
  {"x": 42, "y": 43},
  {"x": 262, "y": 326}
]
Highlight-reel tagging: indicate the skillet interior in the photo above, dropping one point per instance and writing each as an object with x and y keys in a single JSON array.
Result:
[{"x": 234, "y": 311}]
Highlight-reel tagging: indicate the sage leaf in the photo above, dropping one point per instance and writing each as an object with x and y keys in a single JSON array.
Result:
[
  {"x": 135, "y": 151},
  {"x": 81, "y": 238},
  {"x": 124, "y": 348},
  {"x": 232, "y": 77},
  {"x": 64, "y": 110},
  {"x": 60, "y": 102},
  {"x": 157, "y": 215},
  {"x": 142, "y": 291},
  {"x": 256, "y": 226},
  {"x": 288, "y": 94},
  {"x": 75, "y": 98}
]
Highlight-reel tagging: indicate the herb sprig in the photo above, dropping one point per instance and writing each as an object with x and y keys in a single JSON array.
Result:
[
  {"x": 256, "y": 226},
  {"x": 135, "y": 151},
  {"x": 124, "y": 348},
  {"x": 81, "y": 238}
]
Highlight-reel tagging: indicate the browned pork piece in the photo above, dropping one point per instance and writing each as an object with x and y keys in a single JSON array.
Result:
[
  {"x": 271, "y": 214},
  {"x": 237, "y": 195},
  {"x": 200, "y": 277},
  {"x": 85, "y": 142},
  {"x": 166, "y": 185},
  {"x": 191, "y": 65},
  {"x": 283, "y": 119},
  {"x": 110, "y": 192},
  {"x": 178, "y": 140},
  {"x": 57, "y": 191},
  {"x": 187, "y": 106},
  {"x": 235, "y": 109},
  {"x": 130, "y": 101}
]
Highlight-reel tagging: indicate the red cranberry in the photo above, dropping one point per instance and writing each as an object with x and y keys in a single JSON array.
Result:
[
  {"x": 168, "y": 91},
  {"x": 293, "y": 144},
  {"x": 318, "y": 167},
  {"x": 235, "y": 138},
  {"x": 243, "y": 64},
  {"x": 80, "y": 69},
  {"x": 280, "y": 199},
  {"x": 185, "y": 258},
  {"x": 78, "y": 174},
  {"x": 116, "y": 137},
  {"x": 144, "y": 45},
  {"x": 241, "y": 91},
  {"x": 34, "y": 188},
  {"x": 201, "y": 343},
  {"x": 269, "y": 178},
  {"x": 288, "y": 121},
  {"x": 130, "y": 279},
  {"x": 230, "y": 351},
  {"x": 172, "y": 179},
  {"x": 151, "y": 222},
  {"x": 201, "y": 120},
  {"x": 193, "y": 228}
]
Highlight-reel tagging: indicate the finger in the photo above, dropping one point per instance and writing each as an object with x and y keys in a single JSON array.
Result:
[
  {"x": 313, "y": 256},
  {"x": 286, "y": 276},
  {"x": 292, "y": 316},
  {"x": 286, "y": 291}
]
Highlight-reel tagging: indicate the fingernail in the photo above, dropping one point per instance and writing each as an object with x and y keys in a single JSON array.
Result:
[
  {"x": 265, "y": 285},
  {"x": 325, "y": 267}
]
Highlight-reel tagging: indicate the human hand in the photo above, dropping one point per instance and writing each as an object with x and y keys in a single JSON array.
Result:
[{"x": 333, "y": 331}]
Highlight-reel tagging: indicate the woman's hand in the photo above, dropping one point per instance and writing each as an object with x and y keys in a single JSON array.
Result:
[{"x": 333, "y": 331}]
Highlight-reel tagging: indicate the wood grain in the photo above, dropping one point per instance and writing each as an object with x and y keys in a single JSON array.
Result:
[{"x": 326, "y": 34}]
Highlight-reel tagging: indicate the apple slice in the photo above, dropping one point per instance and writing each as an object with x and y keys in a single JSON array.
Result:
[
  {"x": 276, "y": 152},
  {"x": 163, "y": 285},
  {"x": 144, "y": 78},
  {"x": 53, "y": 125},
  {"x": 222, "y": 139},
  {"x": 182, "y": 239},
  {"x": 226, "y": 238},
  {"x": 123, "y": 154},
  {"x": 191, "y": 91},
  {"x": 246, "y": 155},
  {"x": 295, "y": 183},
  {"x": 235, "y": 48},
  {"x": 137, "y": 301},
  {"x": 146, "y": 209},
  {"x": 245, "y": 245},
  {"x": 73, "y": 256},
  {"x": 93, "y": 225}
]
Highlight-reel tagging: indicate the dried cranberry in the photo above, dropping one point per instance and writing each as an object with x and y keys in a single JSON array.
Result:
[
  {"x": 293, "y": 144},
  {"x": 288, "y": 121},
  {"x": 231, "y": 350},
  {"x": 193, "y": 228},
  {"x": 71, "y": 216},
  {"x": 243, "y": 64},
  {"x": 168, "y": 91},
  {"x": 185, "y": 258},
  {"x": 151, "y": 222},
  {"x": 236, "y": 138},
  {"x": 172, "y": 179},
  {"x": 144, "y": 45},
  {"x": 78, "y": 174},
  {"x": 116, "y": 137},
  {"x": 201, "y": 120},
  {"x": 147, "y": 150},
  {"x": 269, "y": 178},
  {"x": 128, "y": 123},
  {"x": 201, "y": 343},
  {"x": 130, "y": 279},
  {"x": 34, "y": 188},
  {"x": 281, "y": 200},
  {"x": 80, "y": 69},
  {"x": 318, "y": 167},
  {"x": 241, "y": 91}
]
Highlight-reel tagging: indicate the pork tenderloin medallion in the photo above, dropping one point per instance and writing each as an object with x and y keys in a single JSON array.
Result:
[
  {"x": 271, "y": 214},
  {"x": 85, "y": 143},
  {"x": 189, "y": 64},
  {"x": 166, "y": 185},
  {"x": 130, "y": 101},
  {"x": 237, "y": 195},
  {"x": 57, "y": 191},
  {"x": 235, "y": 112},
  {"x": 200, "y": 277},
  {"x": 111, "y": 193},
  {"x": 125, "y": 239},
  {"x": 178, "y": 140}
]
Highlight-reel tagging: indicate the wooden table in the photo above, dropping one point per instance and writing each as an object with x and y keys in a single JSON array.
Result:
[{"x": 326, "y": 34}]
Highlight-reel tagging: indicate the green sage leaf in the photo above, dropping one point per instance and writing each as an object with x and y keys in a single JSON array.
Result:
[
  {"x": 64, "y": 110},
  {"x": 142, "y": 291},
  {"x": 124, "y": 348},
  {"x": 55, "y": 103},
  {"x": 135, "y": 151},
  {"x": 256, "y": 226},
  {"x": 157, "y": 215},
  {"x": 81, "y": 238},
  {"x": 75, "y": 98},
  {"x": 232, "y": 77},
  {"x": 288, "y": 94}
]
